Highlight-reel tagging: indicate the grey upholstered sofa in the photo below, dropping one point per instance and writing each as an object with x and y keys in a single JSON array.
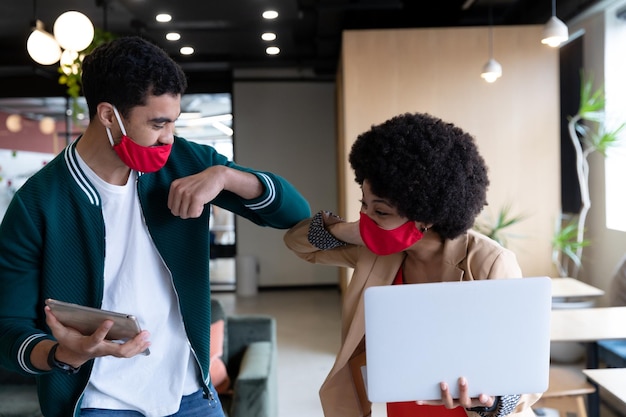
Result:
[
  {"x": 250, "y": 354},
  {"x": 18, "y": 395}
]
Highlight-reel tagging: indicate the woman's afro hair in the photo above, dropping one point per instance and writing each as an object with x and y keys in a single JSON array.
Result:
[{"x": 430, "y": 170}]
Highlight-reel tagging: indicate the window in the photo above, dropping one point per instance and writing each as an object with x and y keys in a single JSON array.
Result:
[{"x": 615, "y": 88}]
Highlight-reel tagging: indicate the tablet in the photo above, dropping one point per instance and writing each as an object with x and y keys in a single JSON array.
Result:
[
  {"x": 495, "y": 332},
  {"x": 87, "y": 319}
]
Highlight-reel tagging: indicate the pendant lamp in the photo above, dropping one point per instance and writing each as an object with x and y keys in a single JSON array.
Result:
[
  {"x": 492, "y": 70},
  {"x": 73, "y": 31},
  {"x": 555, "y": 32},
  {"x": 42, "y": 47}
]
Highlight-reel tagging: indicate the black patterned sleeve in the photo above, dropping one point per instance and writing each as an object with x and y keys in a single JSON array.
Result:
[
  {"x": 503, "y": 406},
  {"x": 320, "y": 237}
]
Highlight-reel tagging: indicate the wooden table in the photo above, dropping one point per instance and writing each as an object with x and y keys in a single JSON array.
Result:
[
  {"x": 611, "y": 379},
  {"x": 567, "y": 289},
  {"x": 567, "y": 383},
  {"x": 589, "y": 325}
]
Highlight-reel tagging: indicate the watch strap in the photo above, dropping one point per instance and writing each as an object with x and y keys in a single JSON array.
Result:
[
  {"x": 62, "y": 366},
  {"x": 482, "y": 410}
]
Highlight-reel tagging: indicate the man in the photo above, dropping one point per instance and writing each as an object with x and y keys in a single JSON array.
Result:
[{"x": 119, "y": 221}]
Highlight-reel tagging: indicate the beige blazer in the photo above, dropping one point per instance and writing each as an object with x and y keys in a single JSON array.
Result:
[{"x": 468, "y": 257}]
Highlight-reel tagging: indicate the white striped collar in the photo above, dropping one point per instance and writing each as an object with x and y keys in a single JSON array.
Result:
[
  {"x": 71, "y": 160},
  {"x": 79, "y": 176}
]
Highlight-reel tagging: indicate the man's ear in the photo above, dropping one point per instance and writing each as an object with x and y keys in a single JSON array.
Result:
[{"x": 104, "y": 113}]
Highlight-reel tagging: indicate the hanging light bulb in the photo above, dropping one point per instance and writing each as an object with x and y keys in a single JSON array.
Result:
[
  {"x": 73, "y": 30},
  {"x": 14, "y": 123},
  {"x": 492, "y": 70},
  {"x": 555, "y": 32},
  {"x": 47, "y": 125},
  {"x": 42, "y": 47},
  {"x": 68, "y": 62}
]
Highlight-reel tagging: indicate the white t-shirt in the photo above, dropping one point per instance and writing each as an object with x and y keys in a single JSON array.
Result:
[{"x": 137, "y": 282}]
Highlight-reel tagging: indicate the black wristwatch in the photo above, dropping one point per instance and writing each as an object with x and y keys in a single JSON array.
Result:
[
  {"x": 55, "y": 364},
  {"x": 484, "y": 410}
]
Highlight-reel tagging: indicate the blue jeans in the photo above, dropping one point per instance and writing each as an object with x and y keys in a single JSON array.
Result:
[{"x": 194, "y": 405}]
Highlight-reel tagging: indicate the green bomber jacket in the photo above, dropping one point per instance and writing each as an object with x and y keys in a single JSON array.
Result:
[{"x": 52, "y": 244}]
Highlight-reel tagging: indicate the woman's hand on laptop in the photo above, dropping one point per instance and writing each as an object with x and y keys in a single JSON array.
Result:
[{"x": 483, "y": 401}]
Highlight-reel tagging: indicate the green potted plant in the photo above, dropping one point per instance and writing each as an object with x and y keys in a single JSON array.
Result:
[
  {"x": 495, "y": 228},
  {"x": 588, "y": 133}
]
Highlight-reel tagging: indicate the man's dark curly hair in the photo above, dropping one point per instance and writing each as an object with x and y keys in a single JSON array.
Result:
[
  {"x": 428, "y": 169},
  {"x": 125, "y": 71}
]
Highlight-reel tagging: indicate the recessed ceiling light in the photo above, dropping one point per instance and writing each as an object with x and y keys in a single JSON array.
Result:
[
  {"x": 270, "y": 14},
  {"x": 272, "y": 50},
  {"x": 172, "y": 36},
  {"x": 163, "y": 17},
  {"x": 186, "y": 50},
  {"x": 268, "y": 36}
]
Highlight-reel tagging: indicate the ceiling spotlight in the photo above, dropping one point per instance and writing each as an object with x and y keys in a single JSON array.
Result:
[
  {"x": 163, "y": 18},
  {"x": 172, "y": 36},
  {"x": 555, "y": 31},
  {"x": 268, "y": 36},
  {"x": 272, "y": 50},
  {"x": 270, "y": 14},
  {"x": 186, "y": 50}
]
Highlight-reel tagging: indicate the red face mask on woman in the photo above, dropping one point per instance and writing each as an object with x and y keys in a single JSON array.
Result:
[
  {"x": 137, "y": 157},
  {"x": 386, "y": 242}
]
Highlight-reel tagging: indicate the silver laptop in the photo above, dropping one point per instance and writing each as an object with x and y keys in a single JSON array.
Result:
[{"x": 496, "y": 333}]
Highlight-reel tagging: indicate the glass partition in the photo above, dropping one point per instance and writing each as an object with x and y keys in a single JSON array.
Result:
[{"x": 34, "y": 130}]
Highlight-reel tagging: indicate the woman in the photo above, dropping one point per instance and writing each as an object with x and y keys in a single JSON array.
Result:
[{"x": 423, "y": 183}]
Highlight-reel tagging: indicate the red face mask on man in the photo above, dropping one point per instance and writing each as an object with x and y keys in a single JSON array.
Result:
[
  {"x": 137, "y": 157},
  {"x": 385, "y": 242}
]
